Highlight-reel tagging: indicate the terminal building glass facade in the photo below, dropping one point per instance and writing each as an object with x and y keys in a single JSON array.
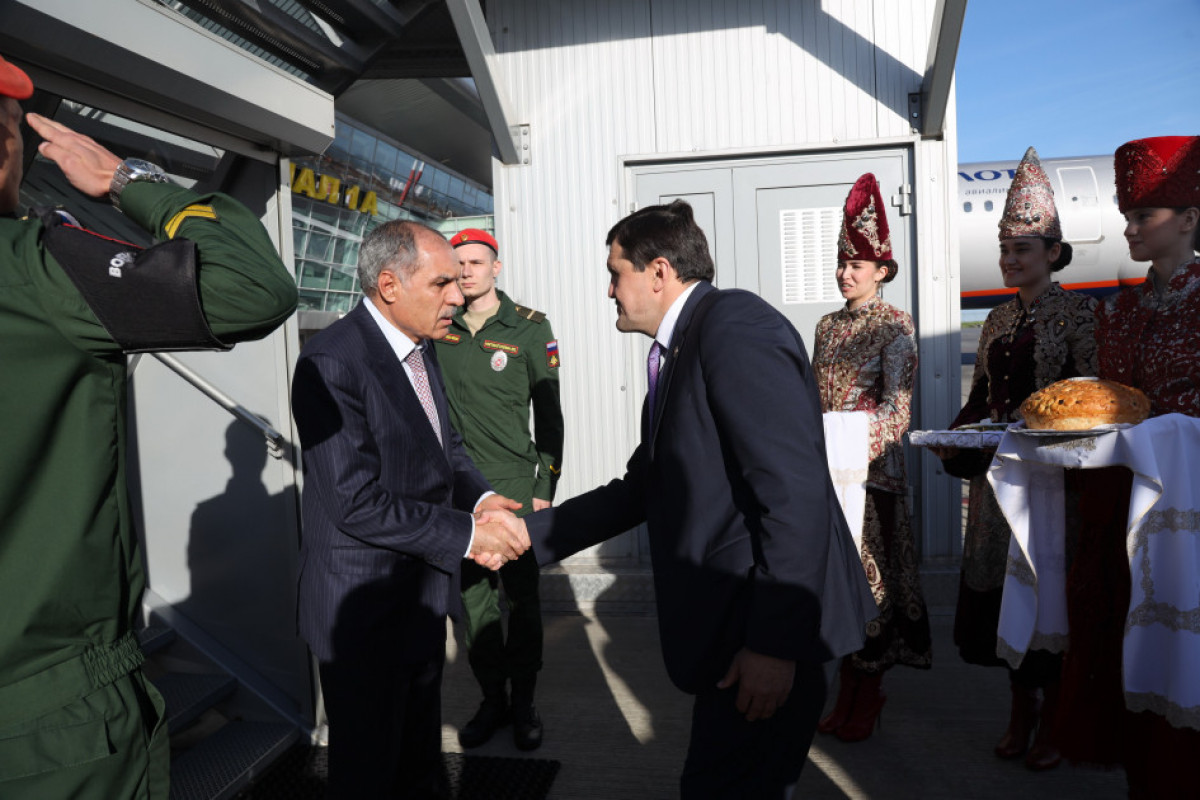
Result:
[{"x": 363, "y": 180}]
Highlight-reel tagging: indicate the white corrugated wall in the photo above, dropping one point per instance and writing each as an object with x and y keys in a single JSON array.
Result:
[{"x": 599, "y": 82}]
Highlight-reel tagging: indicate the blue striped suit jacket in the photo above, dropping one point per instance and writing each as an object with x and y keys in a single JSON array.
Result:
[{"x": 383, "y": 530}]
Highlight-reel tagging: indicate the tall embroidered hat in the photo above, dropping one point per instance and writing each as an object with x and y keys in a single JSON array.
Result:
[
  {"x": 865, "y": 235},
  {"x": 14, "y": 82},
  {"x": 1160, "y": 172},
  {"x": 1029, "y": 209}
]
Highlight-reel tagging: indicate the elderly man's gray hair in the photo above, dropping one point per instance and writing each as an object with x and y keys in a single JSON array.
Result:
[{"x": 391, "y": 246}]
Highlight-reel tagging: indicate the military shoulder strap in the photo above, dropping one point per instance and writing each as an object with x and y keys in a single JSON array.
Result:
[{"x": 529, "y": 313}]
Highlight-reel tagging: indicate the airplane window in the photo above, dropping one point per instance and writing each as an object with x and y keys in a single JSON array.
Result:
[
  {"x": 987, "y": 206},
  {"x": 967, "y": 207}
]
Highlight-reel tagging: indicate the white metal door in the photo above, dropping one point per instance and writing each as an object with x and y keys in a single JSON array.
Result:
[
  {"x": 773, "y": 223},
  {"x": 710, "y": 193}
]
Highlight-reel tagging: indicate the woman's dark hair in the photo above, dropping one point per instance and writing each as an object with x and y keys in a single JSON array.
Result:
[
  {"x": 892, "y": 269},
  {"x": 1064, "y": 255}
]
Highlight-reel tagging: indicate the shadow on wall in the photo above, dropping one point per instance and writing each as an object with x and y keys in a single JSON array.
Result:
[{"x": 243, "y": 586}]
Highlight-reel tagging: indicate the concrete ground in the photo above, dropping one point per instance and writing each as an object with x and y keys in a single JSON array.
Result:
[{"x": 620, "y": 728}]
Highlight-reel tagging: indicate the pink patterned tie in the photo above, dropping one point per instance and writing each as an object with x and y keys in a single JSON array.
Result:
[
  {"x": 653, "y": 361},
  {"x": 420, "y": 381}
]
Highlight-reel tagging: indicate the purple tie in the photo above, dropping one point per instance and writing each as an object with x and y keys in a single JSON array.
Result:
[
  {"x": 420, "y": 382},
  {"x": 652, "y": 367}
]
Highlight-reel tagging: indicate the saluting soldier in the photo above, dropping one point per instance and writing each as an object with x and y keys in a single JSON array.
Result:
[
  {"x": 497, "y": 359},
  {"x": 77, "y": 717}
]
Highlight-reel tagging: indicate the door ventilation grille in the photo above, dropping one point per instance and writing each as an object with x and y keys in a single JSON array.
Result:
[{"x": 808, "y": 242}]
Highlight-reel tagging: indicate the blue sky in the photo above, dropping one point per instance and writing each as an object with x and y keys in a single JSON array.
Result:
[{"x": 1075, "y": 77}]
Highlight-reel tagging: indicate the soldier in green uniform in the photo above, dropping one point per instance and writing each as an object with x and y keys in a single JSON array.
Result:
[
  {"x": 77, "y": 717},
  {"x": 497, "y": 359}
]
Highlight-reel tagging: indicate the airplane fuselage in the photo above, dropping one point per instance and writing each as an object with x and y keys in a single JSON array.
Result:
[{"x": 1085, "y": 194}]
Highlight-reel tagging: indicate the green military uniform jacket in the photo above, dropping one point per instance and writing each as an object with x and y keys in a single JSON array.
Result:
[
  {"x": 491, "y": 379},
  {"x": 71, "y": 578}
]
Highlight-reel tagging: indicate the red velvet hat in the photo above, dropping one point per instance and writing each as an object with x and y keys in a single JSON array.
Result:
[
  {"x": 1161, "y": 172},
  {"x": 1029, "y": 209},
  {"x": 865, "y": 234},
  {"x": 475, "y": 236},
  {"x": 14, "y": 82}
]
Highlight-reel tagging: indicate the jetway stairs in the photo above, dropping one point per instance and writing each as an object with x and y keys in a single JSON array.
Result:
[{"x": 222, "y": 736}]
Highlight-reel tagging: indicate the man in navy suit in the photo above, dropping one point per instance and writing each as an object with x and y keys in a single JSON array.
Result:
[
  {"x": 388, "y": 499},
  {"x": 758, "y": 582}
]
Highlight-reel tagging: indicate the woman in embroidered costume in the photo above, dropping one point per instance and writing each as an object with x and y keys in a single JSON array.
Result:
[
  {"x": 1042, "y": 335},
  {"x": 1147, "y": 337},
  {"x": 865, "y": 359}
]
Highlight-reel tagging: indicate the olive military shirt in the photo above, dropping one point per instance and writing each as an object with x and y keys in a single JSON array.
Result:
[
  {"x": 71, "y": 577},
  {"x": 491, "y": 379}
]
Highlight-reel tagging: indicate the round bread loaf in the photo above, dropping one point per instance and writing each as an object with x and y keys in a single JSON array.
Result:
[{"x": 1078, "y": 404}]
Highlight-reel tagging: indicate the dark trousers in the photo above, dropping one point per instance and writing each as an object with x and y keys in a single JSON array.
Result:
[
  {"x": 731, "y": 759},
  {"x": 385, "y": 728},
  {"x": 494, "y": 657}
]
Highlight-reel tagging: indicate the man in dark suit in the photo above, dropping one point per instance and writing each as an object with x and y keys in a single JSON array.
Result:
[
  {"x": 758, "y": 582},
  {"x": 388, "y": 496}
]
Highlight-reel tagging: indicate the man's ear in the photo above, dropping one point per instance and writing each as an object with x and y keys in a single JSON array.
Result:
[
  {"x": 663, "y": 272},
  {"x": 390, "y": 288},
  {"x": 496, "y": 267}
]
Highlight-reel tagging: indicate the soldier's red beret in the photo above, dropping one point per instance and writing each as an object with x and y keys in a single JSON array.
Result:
[
  {"x": 475, "y": 236},
  {"x": 14, "y": 82}
]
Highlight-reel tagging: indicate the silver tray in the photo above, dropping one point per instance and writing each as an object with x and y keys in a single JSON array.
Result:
[
  {"x": 1019, "y": 428},
  {"x": 980, "y": 438}
]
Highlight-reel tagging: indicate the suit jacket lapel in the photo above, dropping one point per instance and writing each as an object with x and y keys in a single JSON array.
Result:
[
  {"x": 678, "y": 336},
  {"x": 396, "y": 386}
]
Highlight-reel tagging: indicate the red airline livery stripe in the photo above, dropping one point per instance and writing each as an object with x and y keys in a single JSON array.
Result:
[{"x": 1073, "y": 286}]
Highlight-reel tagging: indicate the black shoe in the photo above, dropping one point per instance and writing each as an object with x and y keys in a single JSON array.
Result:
[
  {"x": 527, "y": 728},
  {"x": 491, "y": 716}
]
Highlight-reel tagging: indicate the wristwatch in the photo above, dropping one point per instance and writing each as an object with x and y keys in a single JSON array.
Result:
[{"x": 130, "y": 170}]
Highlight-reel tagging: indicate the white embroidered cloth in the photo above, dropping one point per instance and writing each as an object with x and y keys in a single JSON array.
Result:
[
  {"x": 847, "y": 449},
  {"x": 1161, "y": 659}
]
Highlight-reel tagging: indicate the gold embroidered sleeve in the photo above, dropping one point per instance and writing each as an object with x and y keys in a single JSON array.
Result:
[
  {"x": 1082, "y": 341},
  {"x": 891, "y": 418},
  {"x": 1065, "y": 330}
]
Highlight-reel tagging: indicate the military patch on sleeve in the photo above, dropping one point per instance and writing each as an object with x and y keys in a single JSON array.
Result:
[
  {"x": 194, "y": 211},
  {"x": 491, "y": 344},
  {"x": 552, "y": 354},
  {"x": 452, "y": 338}
]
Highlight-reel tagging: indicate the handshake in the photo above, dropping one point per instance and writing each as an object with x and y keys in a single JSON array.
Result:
[{"x": 500, "y": 535}]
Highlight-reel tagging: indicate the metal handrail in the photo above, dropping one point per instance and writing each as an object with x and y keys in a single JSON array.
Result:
[{"x": 273, "y": 437}]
